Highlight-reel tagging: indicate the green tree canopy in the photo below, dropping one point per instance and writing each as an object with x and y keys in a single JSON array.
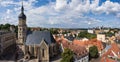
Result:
[
  {"x": 93, "y": 52},
  {"x": 67, "y": 55},
  {"x": 85, "y": 34},
  {"x": 53, "y": 31},
  {"x": 6, "y": 26},
  {"x": 109, "y": 34}
]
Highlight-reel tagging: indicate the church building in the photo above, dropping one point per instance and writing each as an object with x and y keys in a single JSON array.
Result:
[{"x": 36, "y": 44}]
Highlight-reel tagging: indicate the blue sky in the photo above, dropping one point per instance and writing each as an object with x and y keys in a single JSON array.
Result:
[{"x": 63, "y": 13}]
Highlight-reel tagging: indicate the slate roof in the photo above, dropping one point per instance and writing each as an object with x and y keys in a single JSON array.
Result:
[
  {"x": 36, "y": 37},
  {"x": 71, "y": 38}
]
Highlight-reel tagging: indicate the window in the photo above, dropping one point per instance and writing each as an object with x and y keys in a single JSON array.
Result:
[
  {"x": 54, "y": 49},
  {"x": 0, "y": 48},
  {"x": 43, "y": 53},
  {"x": 0, "y": 40},
  {"x": 20, "y": 29}
]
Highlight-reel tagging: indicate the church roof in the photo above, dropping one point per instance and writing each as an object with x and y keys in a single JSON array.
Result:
[
  {"x": 22, "y": 15},
  {"x": 37, "y": 36}
]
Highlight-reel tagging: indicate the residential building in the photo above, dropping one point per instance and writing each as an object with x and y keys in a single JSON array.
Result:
[
  {"x": 112, "y": 54},
  {"x": 101, "y": 37},
  {"x": 7, "y": 38},
  {"x": 90, "y": 43},
  {"x": 91, "y": 31},
  {"x": 80, "y": 52}
]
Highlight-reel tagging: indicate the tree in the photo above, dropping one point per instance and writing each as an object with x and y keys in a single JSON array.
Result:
[
  {"x": 93, "y": 52},
  {"x": 82, "y": 34},
  {"x": 53, "y": 31},
  {"x": 109, "y": 34},
  {"x": 5, "y": 27},
  {"x": 67, "y": 55},
  {"x": 85, "y": 34}
]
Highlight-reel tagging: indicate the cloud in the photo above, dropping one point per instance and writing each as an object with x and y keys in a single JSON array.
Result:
[
  {"x": 60, "y": 4},
  {"x": 60, "y": 13},
  {"x": 118, "y": 15},
  {"x": 107, "y": 7}
]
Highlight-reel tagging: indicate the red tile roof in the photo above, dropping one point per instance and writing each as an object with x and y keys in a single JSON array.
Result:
[
  {"x": 113, "y": 48},
  {"x": 90, "y": 42},
  {"x": 79, "y": 50},
  {"x": 105, "y": 59}
]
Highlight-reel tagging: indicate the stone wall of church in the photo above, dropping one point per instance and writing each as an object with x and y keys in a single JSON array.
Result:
[{"x": 44, "y": 52}]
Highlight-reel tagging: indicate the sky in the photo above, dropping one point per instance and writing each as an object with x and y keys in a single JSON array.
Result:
[{"x": 62, "y": 13}]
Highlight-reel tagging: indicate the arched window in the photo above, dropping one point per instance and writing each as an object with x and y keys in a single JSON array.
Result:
[
  {"x": 0, "y": 48},
  {"x": 43, "y": 53},
  {"x": 0, "y": 40}
]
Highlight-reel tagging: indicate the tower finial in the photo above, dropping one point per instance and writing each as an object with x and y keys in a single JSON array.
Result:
[{"x": 22, "y": 8}]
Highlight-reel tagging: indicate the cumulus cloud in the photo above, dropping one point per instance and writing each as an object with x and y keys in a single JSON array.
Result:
[
  {"x": 61, "y": 13},
  {"x": 107, "y": 7},
  {"x": 60, "y": 4}
]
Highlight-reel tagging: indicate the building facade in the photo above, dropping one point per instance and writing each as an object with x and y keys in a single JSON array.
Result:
[
  {"x": 101, "y": 37},
  {"x": 7, "y": 39},
  {"x": 80, "y": 52}
]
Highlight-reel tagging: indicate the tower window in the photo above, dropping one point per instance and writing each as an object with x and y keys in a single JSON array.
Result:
[
  {"x": 20, "y": 28},
  {"x": 0, "y": 40},
  {"x": 43, "y": 53}
]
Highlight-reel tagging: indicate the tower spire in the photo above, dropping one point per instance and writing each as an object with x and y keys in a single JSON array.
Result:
[
  {"x": 22, "y": 8},
  {"x": 22, "y": 15}
]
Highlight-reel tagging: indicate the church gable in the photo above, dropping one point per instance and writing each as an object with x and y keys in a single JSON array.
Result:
[
  {"x": 43, "y": 44},
  {"x": 44, "y": 51}
]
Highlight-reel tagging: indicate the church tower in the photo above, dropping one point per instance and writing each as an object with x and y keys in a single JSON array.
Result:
[{"x": 22, "y": 27}]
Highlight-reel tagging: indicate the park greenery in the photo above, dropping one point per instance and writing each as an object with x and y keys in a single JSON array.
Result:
[{"x": 67, "y": 55}]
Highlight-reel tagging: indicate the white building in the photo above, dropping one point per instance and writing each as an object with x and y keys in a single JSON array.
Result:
[
  {"x": 90, "y": 31},
  {"x": 101, "y": 37}
]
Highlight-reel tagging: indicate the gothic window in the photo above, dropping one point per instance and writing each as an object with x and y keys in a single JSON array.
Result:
[
  {"x": 32, "y": 50},
  {"x": 0, "y": 40},
  {"x": 0, "y": 48},
  {"x": 54, "y": 48},
  {"x": 43, "y": 53},
  {"x": 20, "y": 29}
]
